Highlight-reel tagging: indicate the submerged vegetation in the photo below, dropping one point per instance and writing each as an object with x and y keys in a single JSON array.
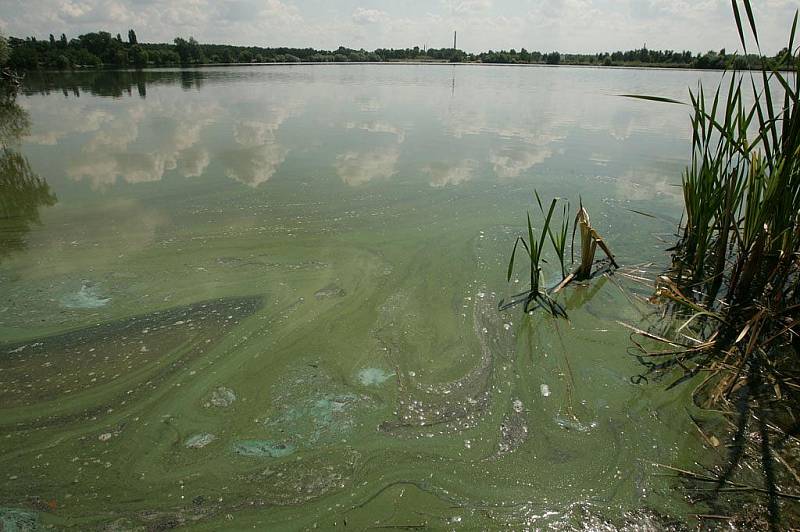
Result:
[{"x": 734, "y": 283}]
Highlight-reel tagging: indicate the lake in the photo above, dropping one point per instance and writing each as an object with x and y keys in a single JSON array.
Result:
[{"x": 267, "y": 297}]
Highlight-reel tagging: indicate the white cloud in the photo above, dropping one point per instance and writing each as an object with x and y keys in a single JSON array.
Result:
[
  {"x": 565, "y": 25},
  {"x": 463, "y": 7},
  {"x": 368, "y": 16}
]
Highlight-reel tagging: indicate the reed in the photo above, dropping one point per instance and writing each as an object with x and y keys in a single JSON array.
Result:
[
  {"x": 541, "y": 297},
  {"x": 734, "y": 282}
]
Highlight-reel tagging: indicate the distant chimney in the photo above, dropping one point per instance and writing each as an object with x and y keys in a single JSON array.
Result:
[{"x": 455, "y": 40}]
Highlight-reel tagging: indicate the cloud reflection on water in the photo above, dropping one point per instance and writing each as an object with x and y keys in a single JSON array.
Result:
[
  {"x": 546, "y": 119},
  {"x": 358, "y": 168}
]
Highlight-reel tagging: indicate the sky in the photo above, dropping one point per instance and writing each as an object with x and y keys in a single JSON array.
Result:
[{"x": 544, "y": 25}]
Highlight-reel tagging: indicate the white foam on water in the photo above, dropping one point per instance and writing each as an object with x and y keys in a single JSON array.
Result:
[
  {"x": 85, "y": 298},
  {"x": 373, "y": 376}
]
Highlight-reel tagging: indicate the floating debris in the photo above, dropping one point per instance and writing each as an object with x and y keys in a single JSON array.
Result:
[
  {"x": 331, "y": 290},
  {"x": 518, "y": 406},
  {"x": 574, "y": 424},
  {"x": 61, "y": 366},
  {"x": 544, "y": 390},
  {"x": 293, "y": 482},
  {"x": 262, "y": 448},
  {"x": 198, "y": 441},
  {"x": 453, "y": 405},
  {"x": 222, "y": 397}
]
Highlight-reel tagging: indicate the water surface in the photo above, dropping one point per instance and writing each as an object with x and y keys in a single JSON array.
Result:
[{"x": 267, "y": 296}]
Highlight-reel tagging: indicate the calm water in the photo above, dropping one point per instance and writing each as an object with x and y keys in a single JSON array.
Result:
[{"x": 267, "y": 297}]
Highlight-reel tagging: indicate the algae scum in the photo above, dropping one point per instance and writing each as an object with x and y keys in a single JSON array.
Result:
[{"x": 267, "y": 297}]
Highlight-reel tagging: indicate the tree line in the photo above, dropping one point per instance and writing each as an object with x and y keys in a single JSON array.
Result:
[{"x": 101, "y": 49}]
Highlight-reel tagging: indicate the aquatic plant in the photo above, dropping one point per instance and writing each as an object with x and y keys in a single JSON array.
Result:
[
  {"x": 537, "y": 296},
  {"x": 734, "y": 282}
]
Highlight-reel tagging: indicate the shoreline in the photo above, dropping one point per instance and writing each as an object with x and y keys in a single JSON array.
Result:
[{"x": 384, "y": 63}]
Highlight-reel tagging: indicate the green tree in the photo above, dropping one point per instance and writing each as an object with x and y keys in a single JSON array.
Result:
[
  {"x": 63, "y": 41},
  {"x": 4, "y": 53},
  {"x": 189, "y": 51},
  {"x": 138, "y": 56},
  {"x": 120, "y": 57},
  {"x": 182, "y": 47},
  {"x": 63, "y": 62},
  {"x": 97, "y": 44},
  {"x": 132, "y": 37}
]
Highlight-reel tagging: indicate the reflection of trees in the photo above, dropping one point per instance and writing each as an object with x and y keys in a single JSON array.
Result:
[
  {"x": 22, "y": 191},
  {"x": 110, "y": 83},
  {"x": 14, "y": 121}
]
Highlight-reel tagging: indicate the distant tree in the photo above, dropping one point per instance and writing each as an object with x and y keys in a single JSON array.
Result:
[
  {"x": 169, "y": 57},
  {"x": 138, "y": 56},
  {"x": 120, "y": 57},
  {"x": 52, "y": 41},
  {"x": 97, "y": 44},
  {"x": 132, "y": 37},
  {"x": 245, "y": 57},
  {"x": 783, "y": 58},
  {"x": 63, "y": 41},
  {"x": 119, "y": 37},
  {"x": 182, "y": 47},
  {"x": 740, "y": 63},
  {"x": 4, "y": 53},
  {"x": 553, "y": 58},
  {"x": 195, "y": 51},
  {"x": 189, "y": 51},
  {"x": 84, "y": 57},
  {"x": 63, "y": 62}
]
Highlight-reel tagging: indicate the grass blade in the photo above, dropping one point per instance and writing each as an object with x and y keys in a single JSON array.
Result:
[{"x": 660, "y": 99}]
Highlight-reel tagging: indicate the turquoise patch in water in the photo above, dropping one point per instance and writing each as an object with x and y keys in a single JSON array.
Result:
[
  {"x": 85, "y": 298},
  {"x": 262, "y": 448},
  {"x": 373, "y": 376},
  {"x": 320, "y": 418},
  {"x": 16, "y": 520}
]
